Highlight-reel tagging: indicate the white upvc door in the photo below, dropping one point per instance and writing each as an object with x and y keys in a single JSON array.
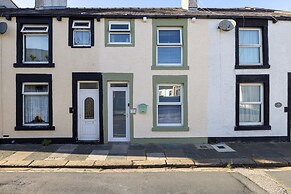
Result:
[
  {"x": 118, "y": 112},
  {"x": 88, "y": 112}
]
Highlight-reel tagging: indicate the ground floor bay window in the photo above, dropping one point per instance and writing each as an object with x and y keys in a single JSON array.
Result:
[
  {"x": 33, "y": 102},
  {"x": 170, "y": 103},
  {"x": 252, "y": 102}
]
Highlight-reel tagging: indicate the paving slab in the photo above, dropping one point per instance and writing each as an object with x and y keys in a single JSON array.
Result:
[
  {"x": 19, "y": 155},
  {"x": 48, "y": 164},
  {"x": 43, "y": 153},
  {"x": 5, "y": 153},
  {"x": 98, "y": 155},
  {"x": 111, "y": 164},
  {"x": 174, "y": 154},
  {"x": 270, "y": 162},
  {"x": 81, "y": 152},
  {"x": 238, "y": 162},
  {"x": 62, "y": 153},
  {"x": 150, "y": 164},
  {"x": 16, "y": 163},
  {"x": 119, "y": 149},
  {"x": 181, "y": 163},
  {"x": 136, "y": 155},
  {"x": 116, "y": 157},
  {"x": 206, "y": 162},
  {"x": 80, "y": 164},
  {"x": 156, "y": 156}
]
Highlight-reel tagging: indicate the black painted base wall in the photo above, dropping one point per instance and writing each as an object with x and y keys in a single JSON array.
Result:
[{"x": 249, "y": 139}]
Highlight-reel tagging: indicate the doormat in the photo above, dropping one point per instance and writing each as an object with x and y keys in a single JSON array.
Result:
[{"x": 222, "y": 148}]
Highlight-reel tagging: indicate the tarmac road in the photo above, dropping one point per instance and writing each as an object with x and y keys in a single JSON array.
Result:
[{"x": 129, "y": 182}]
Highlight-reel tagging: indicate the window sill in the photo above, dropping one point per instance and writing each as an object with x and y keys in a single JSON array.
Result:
[
  {"x": 170, "y": 67},
  {"x": 36, "y": 65},
  {"x": 119, "y": 45},
  {"x": 170, "y": 129},
  {"x": 252, "y": 67},
  {"x": 34, "y": 128},
  {"x": 81, "y": 46},
  {"x": 252, "y": 128}
]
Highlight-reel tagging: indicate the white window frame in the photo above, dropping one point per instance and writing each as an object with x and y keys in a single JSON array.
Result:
[
  {"x": 181, "y": 103},
  {"x": 260, "y": 45},
  {"x": 253, "y": 103},
  {"x": 33, "y": 94},
  {"x": 32, "y": 33},
  {"x": 119, "y": 31},
  {"x": 81, "y": 29},
  {"x": 169, "y": 45},
  {"x": 74, "y": 26},
  {"x": 23, "y": 30}
]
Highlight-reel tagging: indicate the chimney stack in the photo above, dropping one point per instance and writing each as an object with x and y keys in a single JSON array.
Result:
[
  {"x": 50, "y": 4},
  {"x": 189, "y": 4}
]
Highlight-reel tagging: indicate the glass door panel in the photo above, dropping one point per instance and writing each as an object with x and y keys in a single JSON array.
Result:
[{"x": 119, "y": 114}]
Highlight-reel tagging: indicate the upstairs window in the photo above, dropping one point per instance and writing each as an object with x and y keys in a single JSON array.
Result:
[
  {"x": 35, "y": 43},
  {"x": 169, "y": 47},
  {"x": 81, "y": 33},
  {"x": 250, "y": 46},
  {"x": 119, "y": 32}
]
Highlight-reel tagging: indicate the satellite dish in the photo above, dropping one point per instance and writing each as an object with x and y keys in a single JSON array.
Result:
[
  {"x": 227, "y": 25},
  {"x": 3, "y": 27}
]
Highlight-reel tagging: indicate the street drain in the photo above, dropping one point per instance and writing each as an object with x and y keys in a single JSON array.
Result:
[
  {"x": 222, "y": 148},
  {"x": 203, "y": 147}
]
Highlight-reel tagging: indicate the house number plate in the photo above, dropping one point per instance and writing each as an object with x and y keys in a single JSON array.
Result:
[{"x": 278, "y": 104}]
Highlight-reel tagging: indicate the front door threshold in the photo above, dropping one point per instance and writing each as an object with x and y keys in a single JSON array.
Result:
[{"x": 88, "y": 142}]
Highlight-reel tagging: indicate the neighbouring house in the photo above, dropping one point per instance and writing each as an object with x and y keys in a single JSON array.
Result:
[{"x": 144, "y": 75}]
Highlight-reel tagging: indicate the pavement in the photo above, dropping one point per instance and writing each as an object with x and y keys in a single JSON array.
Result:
[{"x": 124, "y": 155}]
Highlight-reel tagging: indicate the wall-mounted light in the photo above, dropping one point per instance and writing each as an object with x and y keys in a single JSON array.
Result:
[
  {"x": 194, "y": 19},
  {"x": 144, "y": 19}
]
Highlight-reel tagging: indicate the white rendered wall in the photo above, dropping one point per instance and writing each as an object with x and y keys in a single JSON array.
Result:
[{"x": 222, "y": 79}]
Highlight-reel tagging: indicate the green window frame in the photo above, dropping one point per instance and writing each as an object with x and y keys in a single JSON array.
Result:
[
  {"x": 181, "y": 80},
  {"x": 131, "y": 23},
  {"x": 171, "y": 23}
]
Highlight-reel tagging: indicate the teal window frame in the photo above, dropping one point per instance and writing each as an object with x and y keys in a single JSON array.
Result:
[
  {"x": 132, "y": 33},
  {"x": 170, "y": 79},
  {"x": 170, "y": 23}
]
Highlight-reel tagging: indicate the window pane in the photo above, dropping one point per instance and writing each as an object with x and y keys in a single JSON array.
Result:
[
  {"x": 119, "y": 27},
  {"x": 169, "y": 93},
  {"x": 169, "y": 114},
  {"x": 249, "y": 113},
  {"x": 249, "y": 55},
  {"x": 82, "y": 38},
  {"x": 88, "y": 85},
  {"x": 35, "y": 88},
  {"x": 250, "y": 93},
  {"x": 169, "y": 55},
  {"x": 36, "y": 110},
  {"x": 120, "y": 38},
  {"x": 249, "y": 37},
  {"x": 36, "y": 48},
  {"x": 169, "y": 36},
  {"x": 89, "y": 108}
]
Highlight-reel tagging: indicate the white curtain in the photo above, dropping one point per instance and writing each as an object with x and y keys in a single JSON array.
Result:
[
  {"x": 36, "y": 106},
  {"x": 249, "y": 55},
  {"x": 250, "y": 112}
]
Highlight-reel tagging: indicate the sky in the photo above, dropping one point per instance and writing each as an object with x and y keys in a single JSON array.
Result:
[{"x": 271, "y": 4}]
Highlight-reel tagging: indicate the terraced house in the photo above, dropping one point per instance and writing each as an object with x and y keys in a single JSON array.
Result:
[{"x": 144, "y": 75}]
